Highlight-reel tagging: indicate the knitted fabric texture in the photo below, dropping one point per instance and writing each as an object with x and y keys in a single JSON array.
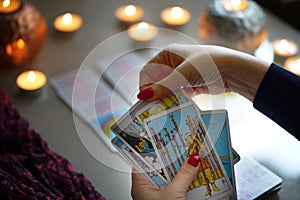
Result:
[{"x": 29, "y": 169}]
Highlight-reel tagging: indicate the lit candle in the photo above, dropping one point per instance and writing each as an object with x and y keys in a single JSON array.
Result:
[
  {"x": 16, "y": 47},
  {"x": 68, "y": 22},
  {"x": 8, "y": 6},
  {"x": 142, "y": 31},
  {"x": 293, "y": 65},
  {"x": 175, "y": 15},
  {"x": 129, "y": 13},
  {"x": 235, "y": 5},
  {"x": 284, "y": 47},
  {"x": 31, "y": 80}
]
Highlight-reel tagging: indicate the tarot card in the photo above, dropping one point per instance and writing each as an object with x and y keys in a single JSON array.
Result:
[
  {"x": 132, "y": 132},
  {"x": 142, "y": 167},
  {"x": 178, "y": 133},
  {"x": 178, "y": 98},
  {"x": 217, "y": 125},
  {"x": 235, "y": 156},
  {"x": 136, "y": 139}
]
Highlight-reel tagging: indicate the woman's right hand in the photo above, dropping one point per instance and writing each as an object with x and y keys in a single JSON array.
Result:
[{"x": 206, "y": 68}]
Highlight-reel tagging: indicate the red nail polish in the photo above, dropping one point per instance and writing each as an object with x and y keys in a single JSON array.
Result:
[
  {"x": 194, "y": 159},
  {"x": 146, "y": 93}
]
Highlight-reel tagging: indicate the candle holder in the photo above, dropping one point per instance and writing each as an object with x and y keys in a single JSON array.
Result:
[
  {"x": 31, "y": 80},
  {"x": 175, "y": 16},
  {"x": 142, "y": 31},
  {"x": 293, "y": 65},
  {"x": 284, "y": 48},
  {"x": 22, "y": 35},
  {"x": 67, "y": 22},
  {"x": 241, "y": 26}
]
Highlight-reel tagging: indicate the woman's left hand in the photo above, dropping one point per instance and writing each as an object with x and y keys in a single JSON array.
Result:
[{"x": 142, "y": 189}]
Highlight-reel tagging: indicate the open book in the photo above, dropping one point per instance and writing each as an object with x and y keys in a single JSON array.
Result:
[
  {"x": 100, "y": 93},
  {"x": 253, "y": 180}
]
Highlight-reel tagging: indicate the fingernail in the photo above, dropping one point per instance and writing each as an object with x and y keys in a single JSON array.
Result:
[
  {"x": 194, "y": 159},
  {"x": 146, "y": 93}
]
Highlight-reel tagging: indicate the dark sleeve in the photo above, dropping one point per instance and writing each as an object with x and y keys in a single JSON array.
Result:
[{"x": 278, "y": 97}]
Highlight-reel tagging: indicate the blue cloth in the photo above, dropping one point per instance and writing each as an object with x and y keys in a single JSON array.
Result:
[{"x": 278, "y": 97}]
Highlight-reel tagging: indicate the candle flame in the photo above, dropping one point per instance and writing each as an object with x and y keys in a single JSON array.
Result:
[
  {"x": 284, "y": 43},
  {"x": 9, "y": 50},
  {"x": 20, "y": 43},
  {"x": 130, "y": 10},
  {"x": 235, "y": 5},
  {"x": 176, "y": 12},
  {"x": 67, "y": 18},
  {"x": 31, "y": 76},
  {"x": 294, "y": 66},
  {"x": 286, "y": 46},
  {"x": 142, "y": 25},
  {"x": 6, "y": 3}
]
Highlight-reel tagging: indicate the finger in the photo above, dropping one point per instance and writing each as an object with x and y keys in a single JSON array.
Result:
[
  {"x": 153, "y": 72},
  {"x": 138, "y": 179},
  {"x": 194, "y": 91},
  {"x": 141, "y": 186},
  {"x": 160, "y": 65},
  {"x": 184, "y": 75},
  {"x": 186, "y": 174}
]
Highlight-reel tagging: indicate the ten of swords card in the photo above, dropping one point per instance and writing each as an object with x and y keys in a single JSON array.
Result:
[
  {"x": 152, "y": 175},
  {"x": 136, "y": 139},
  {"x": 178, "y": 133}
]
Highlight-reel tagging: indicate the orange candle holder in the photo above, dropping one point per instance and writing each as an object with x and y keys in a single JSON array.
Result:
[{"x": 22, "y": 33}]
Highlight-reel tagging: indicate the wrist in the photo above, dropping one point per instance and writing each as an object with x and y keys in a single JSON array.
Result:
[{"x": 242, "y": 73}]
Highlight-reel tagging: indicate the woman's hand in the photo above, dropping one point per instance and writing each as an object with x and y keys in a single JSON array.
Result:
[
  {"x": 208, "y": 69},
  {"x": 142, "y": 189}
]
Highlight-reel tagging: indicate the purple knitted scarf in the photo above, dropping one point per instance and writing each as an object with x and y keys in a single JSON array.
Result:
[{"x": 29, "y": 169}]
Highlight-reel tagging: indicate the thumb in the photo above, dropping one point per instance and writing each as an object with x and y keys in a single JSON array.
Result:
[{"x": 186, "y": 174}]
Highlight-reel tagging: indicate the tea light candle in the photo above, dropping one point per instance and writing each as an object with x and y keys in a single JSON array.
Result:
[
  {"x": 142, "y": 31},
  {"x": 284, "y": 47},
  {"x": 8, "y": 6},
  {"x": 175, "y": 15},
  {"x": 129, "y": 13},
  {"x": 68, "y": 22},
  {"x": 293, "y": 65},
  {"x": 235, "y": 5},
  {"x": 31, "y": 80}
]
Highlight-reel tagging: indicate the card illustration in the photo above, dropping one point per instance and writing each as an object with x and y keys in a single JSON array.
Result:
[
  {"x": 132, "y": 136},
  {"x": 217, "y": 128},
  {"x": 139, "y": 164},
  {"x": 178, "y": 134},
  {"x": 162, "y": 105},
  {"x": 217, "y": 125}
]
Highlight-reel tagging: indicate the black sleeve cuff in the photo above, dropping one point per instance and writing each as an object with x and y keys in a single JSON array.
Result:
[{"x": 278, "y": 97}]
